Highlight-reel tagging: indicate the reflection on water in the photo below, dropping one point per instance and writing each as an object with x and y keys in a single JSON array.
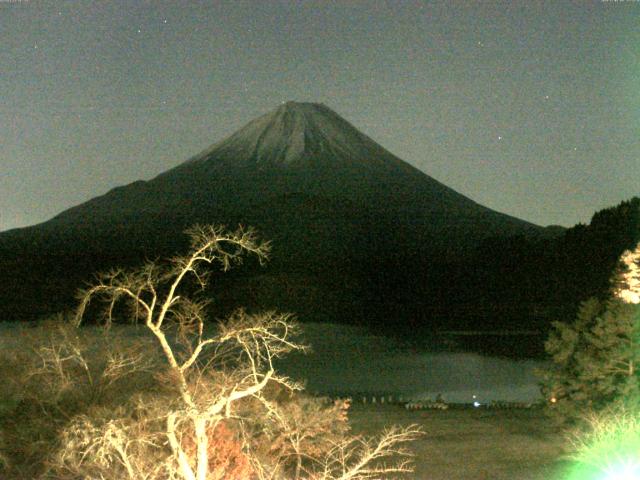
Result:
[{"x": 517, "y": 346}]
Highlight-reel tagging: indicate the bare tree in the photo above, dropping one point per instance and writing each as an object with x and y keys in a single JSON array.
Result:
[
  {"x": 365, "y": 459},
  {"x": 206, "y": 381}
]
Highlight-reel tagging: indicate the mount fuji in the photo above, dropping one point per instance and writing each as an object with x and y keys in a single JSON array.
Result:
[
  {"x": 300, "y": 153},
  {"x": 358, "y": 234}
]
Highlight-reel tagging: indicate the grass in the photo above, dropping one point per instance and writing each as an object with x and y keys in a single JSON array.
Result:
[{"x": 474, "y": 444}]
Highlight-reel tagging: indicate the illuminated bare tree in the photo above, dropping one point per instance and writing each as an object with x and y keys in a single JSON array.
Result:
[
  {"x": 212, "y": 376},
  {"x": 153, "y": 293},
  {"x": 627, "y": 278}
]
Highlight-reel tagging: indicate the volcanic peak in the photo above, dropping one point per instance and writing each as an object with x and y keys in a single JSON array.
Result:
[{"x": 294, "y": 134}]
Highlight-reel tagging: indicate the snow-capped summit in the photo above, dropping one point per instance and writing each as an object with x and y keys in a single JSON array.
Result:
[{"x": 298, "y": 135}]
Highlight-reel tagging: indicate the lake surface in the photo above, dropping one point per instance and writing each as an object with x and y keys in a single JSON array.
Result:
[{"x": 351, "y": 360}]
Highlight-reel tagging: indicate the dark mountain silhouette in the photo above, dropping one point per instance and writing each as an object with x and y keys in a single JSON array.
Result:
[{"x": 358, "y": 234}]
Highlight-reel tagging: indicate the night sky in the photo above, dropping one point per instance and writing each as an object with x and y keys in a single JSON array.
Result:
[{"x": 530, "y": 108}]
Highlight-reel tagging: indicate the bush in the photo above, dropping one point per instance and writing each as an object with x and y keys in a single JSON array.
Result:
[
  {"x": 55, "y": 373},
  {"x": 226, "y": 458}
]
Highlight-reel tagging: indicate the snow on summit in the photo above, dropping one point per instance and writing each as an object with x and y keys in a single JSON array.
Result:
[{"x": 298, "y": 134}]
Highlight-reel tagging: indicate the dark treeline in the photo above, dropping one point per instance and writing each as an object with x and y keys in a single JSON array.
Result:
[
  {"x": 550, "y": 277},
  {"x": 517, "y": 282}
]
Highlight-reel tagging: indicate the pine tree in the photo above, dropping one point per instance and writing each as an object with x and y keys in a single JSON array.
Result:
[{"x": 596, "y": 359}]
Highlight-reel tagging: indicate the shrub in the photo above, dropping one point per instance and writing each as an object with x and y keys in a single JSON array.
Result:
[
  {"x": 226, "y": 458},
  {"x": 55, "y": 373}
]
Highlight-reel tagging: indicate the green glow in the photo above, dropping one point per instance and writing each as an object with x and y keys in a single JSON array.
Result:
[
  {"x": 610, "y": 451},
  {"x": 629, "y": 470},
  {"x": 623, "y": 470}
]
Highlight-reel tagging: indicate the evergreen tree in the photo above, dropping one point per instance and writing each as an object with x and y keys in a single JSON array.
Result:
[{"x": 596, "y": 359}]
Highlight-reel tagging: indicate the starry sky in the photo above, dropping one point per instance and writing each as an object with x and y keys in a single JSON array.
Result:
[{"x": 531, "y": 108}]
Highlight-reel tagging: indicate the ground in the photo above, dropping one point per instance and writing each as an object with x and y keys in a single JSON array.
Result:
[{"x": 478, "y": 444}]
